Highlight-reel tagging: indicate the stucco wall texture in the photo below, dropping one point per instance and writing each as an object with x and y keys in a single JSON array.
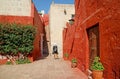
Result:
[
  {"x": 32, "y": 19},
  {"x": 58, "y": 16},
  {"x": 15, "y": 7},
  {"x": 106, "y": 13}
]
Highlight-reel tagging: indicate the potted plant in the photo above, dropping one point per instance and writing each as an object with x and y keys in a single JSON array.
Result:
[
  {"x": 74, "y": 63},
  {"x": 66, "y": 55},
  {"x": 97, "y": 68}
]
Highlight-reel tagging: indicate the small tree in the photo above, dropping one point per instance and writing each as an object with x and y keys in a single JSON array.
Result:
[{"x": 16, "y": 38}]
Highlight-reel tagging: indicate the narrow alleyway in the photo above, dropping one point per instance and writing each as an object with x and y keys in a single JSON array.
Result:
[{"x": 47, "y": 68}]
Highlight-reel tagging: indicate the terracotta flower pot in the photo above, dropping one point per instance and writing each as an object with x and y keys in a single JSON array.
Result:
[
  {"x": 97, "y": 74},
  {"x": 73, "y": 65}
]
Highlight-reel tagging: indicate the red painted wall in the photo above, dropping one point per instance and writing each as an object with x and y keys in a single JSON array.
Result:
[
  {"x": 37, "y": 44},
  {"x": 16, "y": 19},
  {"x": 68, "y": 38},
  {"x": 45, "y": 19},
  {"x": 34, "y": 20},
  {"x": 87, "y": 14}
]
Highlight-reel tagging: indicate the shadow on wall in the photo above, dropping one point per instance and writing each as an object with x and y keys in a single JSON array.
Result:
[{"x": 45, "y": 47}]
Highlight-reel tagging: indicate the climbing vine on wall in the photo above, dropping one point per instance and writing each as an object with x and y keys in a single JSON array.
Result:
[{"x": 16, "y": 38}]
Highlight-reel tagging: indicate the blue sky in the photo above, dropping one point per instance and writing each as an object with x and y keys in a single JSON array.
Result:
[{"x": 45, "y": 4}]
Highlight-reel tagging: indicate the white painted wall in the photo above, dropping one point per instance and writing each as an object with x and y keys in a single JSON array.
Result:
[
  {"x": 15, "y": 7},
  {"x": 57, "y": 21}
]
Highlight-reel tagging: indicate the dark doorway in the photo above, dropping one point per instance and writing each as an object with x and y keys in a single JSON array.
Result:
[
  {"x": 93, "y": 37},
  {"x": 45, "y": 47}
]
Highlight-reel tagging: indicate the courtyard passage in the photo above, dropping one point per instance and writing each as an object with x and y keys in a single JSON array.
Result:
[{"x": 47, "y": 68}]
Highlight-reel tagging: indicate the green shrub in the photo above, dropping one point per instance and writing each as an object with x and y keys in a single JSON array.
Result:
[
  {"x": 97, "y": 65},
  {"x": 74, "y": 60},
  {"x": 22, "y": 61},
  {"x": 66, "y": 55},
  {"x": 16, "y": 38},
  {"x": 8, "y": 63}
]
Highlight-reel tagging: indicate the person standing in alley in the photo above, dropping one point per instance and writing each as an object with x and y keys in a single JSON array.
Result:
[{"x": 55, "y": 51}]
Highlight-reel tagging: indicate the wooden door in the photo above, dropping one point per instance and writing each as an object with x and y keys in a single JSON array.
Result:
[{"x": 93, "y": 37}]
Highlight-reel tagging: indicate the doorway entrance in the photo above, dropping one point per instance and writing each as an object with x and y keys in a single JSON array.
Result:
[{"x": 93, "y": 37}]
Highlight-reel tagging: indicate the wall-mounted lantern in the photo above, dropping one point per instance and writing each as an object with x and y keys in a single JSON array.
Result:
[{"x": 71, "y": 21}]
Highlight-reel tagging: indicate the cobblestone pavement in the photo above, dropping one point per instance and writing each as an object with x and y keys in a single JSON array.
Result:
[{"x": 47, "y": 68}]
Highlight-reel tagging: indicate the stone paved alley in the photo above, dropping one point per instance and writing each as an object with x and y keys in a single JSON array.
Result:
[{"x": 47, "y": 68}]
